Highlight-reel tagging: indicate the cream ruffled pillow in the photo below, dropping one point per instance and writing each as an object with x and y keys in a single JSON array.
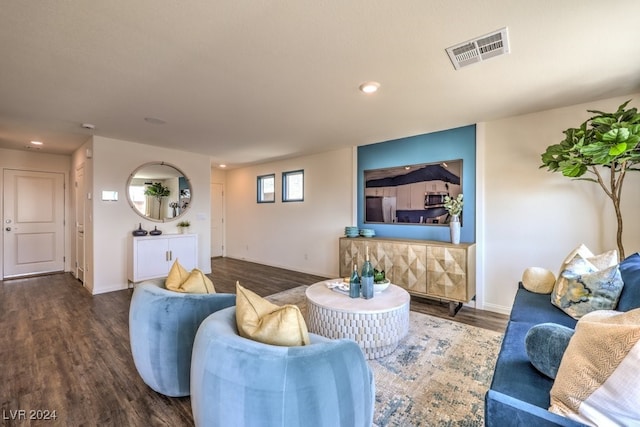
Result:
[
  {"x": 260, "y": 320},
  {"x": 194, "y": 282},
  {"x": 597, "y": 382}
]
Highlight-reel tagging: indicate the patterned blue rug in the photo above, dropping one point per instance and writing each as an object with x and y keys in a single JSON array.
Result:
[{"x": 437, "y": 376}]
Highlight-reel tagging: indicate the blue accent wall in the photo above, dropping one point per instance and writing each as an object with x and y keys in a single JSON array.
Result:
[{"x": 452, "y": 144}]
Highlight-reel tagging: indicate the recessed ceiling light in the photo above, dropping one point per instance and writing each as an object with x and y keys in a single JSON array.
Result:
[
  {"x": 36, "y": 142},
  {"x": 154, "y": 121},
  {"x": 88, "y": 126},
  {"x": 223, "y": 166},
  {"x": 369, "y": 87}
]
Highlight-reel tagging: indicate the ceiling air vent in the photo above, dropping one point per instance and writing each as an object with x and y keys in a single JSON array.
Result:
[{"x": 479, "y": 49}]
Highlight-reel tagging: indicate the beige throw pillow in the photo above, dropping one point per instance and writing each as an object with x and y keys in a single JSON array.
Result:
[
  {"x": 598, "y": 377},
  {"x": 197, "y": 283},
  {"x": 177, "y": 275},
  {"x": 260, "y": 320},
  {"x": 194, "y": 282},
  {"x": 538, "y": 280}
]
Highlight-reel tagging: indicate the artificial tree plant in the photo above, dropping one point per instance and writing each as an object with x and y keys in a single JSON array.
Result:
[
  {"x": 604, "y": 141},
  {"x": 158, "y": 191}
]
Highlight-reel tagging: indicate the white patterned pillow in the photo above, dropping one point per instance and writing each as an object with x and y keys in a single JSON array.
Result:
[
  {"x": 597, "y": 382},
  {"x": 581, "y": 250}
]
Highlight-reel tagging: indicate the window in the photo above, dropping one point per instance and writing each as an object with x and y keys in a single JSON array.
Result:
[
  {"x": 293, "y": 186},
  {"x": 266, "y": 188}
]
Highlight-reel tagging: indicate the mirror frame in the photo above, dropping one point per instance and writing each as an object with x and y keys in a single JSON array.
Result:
[{"x": 145, "y": 165}]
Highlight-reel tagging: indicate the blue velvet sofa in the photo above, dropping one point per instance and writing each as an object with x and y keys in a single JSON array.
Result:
[{"x": 519, "y": 393}]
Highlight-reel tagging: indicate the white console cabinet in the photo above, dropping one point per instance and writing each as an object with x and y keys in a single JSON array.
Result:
[{"x": 152, "y": 256}]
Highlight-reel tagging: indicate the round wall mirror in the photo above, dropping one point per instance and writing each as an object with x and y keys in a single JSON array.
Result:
[{"x": 159, "y": 191}]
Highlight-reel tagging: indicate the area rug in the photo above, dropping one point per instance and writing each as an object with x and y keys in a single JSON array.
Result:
[{"x": 437, "y": 376}]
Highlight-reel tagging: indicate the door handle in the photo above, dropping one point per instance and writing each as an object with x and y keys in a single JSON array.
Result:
[{"x": 8, "y": 228}]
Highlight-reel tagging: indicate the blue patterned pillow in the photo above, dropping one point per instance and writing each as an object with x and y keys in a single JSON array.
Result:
[
  {"x": 630, "y": 273},
  {"x": 545, "y": 344},
  {"x": 584, "y": 292}
]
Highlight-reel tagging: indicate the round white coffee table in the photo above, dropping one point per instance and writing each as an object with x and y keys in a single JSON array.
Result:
[{"x": 376, "y": 324}]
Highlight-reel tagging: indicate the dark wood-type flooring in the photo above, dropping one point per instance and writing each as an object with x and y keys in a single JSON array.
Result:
[{"x": 64, "y": 350}]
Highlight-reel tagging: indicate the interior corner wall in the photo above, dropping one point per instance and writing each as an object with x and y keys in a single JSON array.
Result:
[
  {"x": 300, "y": 236},
  {"x": 81, "y": 158},
  {"x": 113, "y": 162},
  {"x": 533, "y": 217},
  {"x": 218, "y": 176},
  {"x": 452, "y": 144}
]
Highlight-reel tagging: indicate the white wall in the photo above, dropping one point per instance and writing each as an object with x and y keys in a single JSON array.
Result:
[
  {"x": 112, "y": 222},
  {"x": 34, "y": 161},
  {"x": 301, "y": 236},
  {"x": 532, "y": 217}
]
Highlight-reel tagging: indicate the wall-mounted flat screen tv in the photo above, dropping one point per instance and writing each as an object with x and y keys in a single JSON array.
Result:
[{"x": 411, "y": 194}]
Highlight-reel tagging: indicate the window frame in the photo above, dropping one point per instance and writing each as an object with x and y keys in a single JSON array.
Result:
[
  {"x": 285, "y": 183},
  {"x": 260, "y": 195}
]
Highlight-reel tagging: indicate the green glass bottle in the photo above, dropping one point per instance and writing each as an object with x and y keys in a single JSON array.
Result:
[
  {"x": 354, "y": 283},
  {"x": 366, "y": 278}
]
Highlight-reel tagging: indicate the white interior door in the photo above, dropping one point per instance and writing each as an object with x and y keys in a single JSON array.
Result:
[
  {"x": 33, "y": 222},
  {"x": 217, "y": 220}
]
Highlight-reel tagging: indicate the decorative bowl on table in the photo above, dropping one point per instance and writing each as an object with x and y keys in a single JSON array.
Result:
[
  {"x": 381, "y": 286},
  {"x": 351, "y": 231},
  {"x": 367, "y": 232}
]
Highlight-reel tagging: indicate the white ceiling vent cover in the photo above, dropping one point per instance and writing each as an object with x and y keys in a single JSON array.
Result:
[{"x": 479, "y": 49}]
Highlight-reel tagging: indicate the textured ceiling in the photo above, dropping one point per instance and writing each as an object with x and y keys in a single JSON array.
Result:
[{"x": 250, "y": 81}]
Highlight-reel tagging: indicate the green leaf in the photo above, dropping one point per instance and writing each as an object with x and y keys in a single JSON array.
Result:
[
  {"x": 574, "y": 170},
  {"x": 618, "y": 149},
  {"x": 604, "y": 120},
  {"x": 633, "y": 141}
]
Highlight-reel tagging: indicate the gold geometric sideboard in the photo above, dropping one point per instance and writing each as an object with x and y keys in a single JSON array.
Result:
[{"x": 423, "y": 267}]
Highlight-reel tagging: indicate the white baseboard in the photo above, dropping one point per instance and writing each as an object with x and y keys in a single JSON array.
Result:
[
  {"x": 112, "y": 288},
  {"x": 496, "y": 308}
]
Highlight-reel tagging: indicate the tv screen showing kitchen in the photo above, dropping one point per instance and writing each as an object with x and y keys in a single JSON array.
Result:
[{"x": 411, "y": 194}]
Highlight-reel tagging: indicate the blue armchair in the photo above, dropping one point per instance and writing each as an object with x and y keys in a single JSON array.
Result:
[
  {"x": 162, "y": 327},
  {"x": 239, "y": 382}
]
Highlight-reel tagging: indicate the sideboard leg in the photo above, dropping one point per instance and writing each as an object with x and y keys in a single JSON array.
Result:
[{"x": 454, "y": 308}]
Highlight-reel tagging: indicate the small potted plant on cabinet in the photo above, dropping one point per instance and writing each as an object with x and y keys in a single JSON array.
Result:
[{"x": 183, "y": 226}]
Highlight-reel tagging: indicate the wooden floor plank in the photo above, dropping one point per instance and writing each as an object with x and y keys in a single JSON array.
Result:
[{"x": 63, "y": 349}]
